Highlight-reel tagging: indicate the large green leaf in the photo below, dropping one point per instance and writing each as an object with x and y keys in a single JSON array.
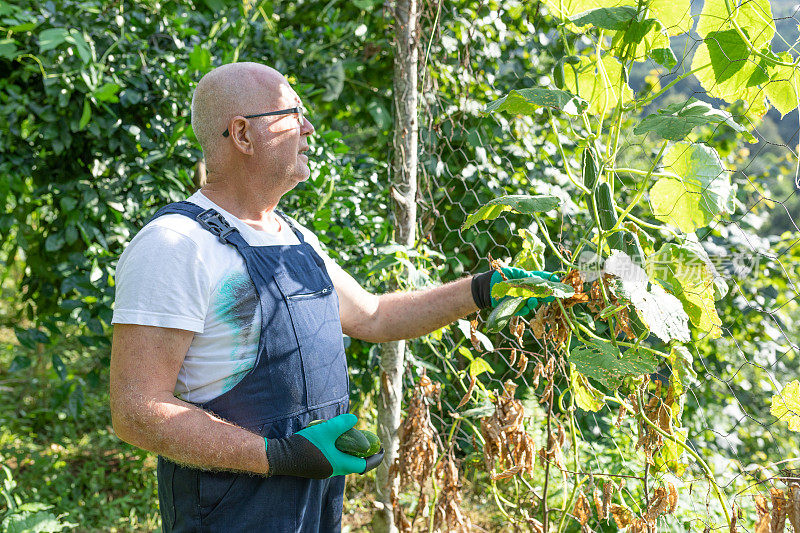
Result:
[
  {"x": 501, "y": 314},
  {"x": 753, "y": 16},
  {"x": 533, "y": 286},
  {"x": 607, "y": 18},
  {"x": 52, "y": 38},
  {"x": 520, "y": 203},
  {"x": 676, "y": 121},
  {"x": 527, "y": 101},
  {"x": 683, "y": 272},
  {"x": 569, "y": 8},
  {"x": 597, "y": 82},
  {"x": 700, "y": 191},
  {"x": 478, "y": 366},
  {"x": 603, "y": 362}
]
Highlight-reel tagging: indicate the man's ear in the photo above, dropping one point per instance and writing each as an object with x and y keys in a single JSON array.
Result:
[{"x": 241, "y": 134}]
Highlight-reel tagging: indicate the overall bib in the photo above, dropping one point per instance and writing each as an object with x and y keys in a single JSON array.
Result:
[{"x": 300, "y": 375}]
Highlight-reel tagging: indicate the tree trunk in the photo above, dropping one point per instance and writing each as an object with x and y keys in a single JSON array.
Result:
[{"x": 404, "y": 192}]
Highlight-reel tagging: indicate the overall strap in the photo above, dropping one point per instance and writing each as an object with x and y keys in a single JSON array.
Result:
[
  {"x": 292, "y": 225},
  {"x": 209, "y": 219}
]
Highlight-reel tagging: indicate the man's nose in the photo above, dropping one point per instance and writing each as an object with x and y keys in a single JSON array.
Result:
[{"x": 307, "y": 128}]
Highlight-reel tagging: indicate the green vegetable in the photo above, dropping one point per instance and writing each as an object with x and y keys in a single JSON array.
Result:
[
  {"x": 558, "y": 74},
  {"x": 590, "y": 167},
  {"x": 358, "y": 442},
  {"x": 605, "y": 206},
  {"x": 628, "y": 242}
]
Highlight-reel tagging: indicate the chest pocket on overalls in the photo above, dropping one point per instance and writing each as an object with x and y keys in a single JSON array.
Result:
[{"x": 314, "y": 310}]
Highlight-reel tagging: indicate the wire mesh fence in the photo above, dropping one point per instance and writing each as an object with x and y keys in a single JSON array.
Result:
[{"x": 658, "y": 391}]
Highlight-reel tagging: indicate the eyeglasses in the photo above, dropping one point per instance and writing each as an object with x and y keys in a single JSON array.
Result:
[{"x": 299, "y": 110}]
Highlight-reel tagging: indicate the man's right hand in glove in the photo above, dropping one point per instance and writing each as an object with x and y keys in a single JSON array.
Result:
[{"x": 311, "y": 452}]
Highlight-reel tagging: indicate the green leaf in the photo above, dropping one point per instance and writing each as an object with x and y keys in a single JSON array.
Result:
[
  {"x": 524, "y": 204},
  {"x": 728, "y": 53},
  {"x": 478, "y": 366},
  {"x": 602, "y": 361},
  {"x": 686, "y": 274},
  {"x": 527, "y": 101},
  {"x": 52, "y": 38},
  {"x": 77, "y": 38},
  {"x": 670, "y": 453},
  {"x": 86, "y": 115},
  {"x": 8, "y": 48},
  {"x": 586, "y": 396},
  {"x": 108, "y": 93},
  {"x": 200, "y": 59},
  {"x": 379, "y": 114},
  {"x": 607, "y": 18},
  {"x": 533, "y": 286},
  {"x": 675, "y": 15},
  {"x": 785, "y": 405},
  {"x": 700, "y": 192},
  {"x": 676, "y": 121},
  {"x": 754, "y": 17},
  {"x": 664, "y": 57},
  {"x": 597, "y": 82},
  {"x": 783, "y": 89},
  {"x": 54, "y": 242},
  {"x": 501, "y": 314},
  {"x": 683, "y": 375},
  {"x": 531, "y": 256},
  {"x": 566, "y": 9}
]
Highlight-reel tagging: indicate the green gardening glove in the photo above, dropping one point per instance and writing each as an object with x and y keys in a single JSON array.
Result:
[
  {"x": 482, "y": 287},
  {"x": 311, "y": 452}
]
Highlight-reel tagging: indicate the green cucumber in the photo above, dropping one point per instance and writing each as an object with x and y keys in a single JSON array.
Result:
[
  {"x": 590, "y": 167},
  {"x": 358, "y": 442},
  {"x": 605, "y": 206},
  {"x": 558, "y": 74},
  {"x": 628, "y": 242}
]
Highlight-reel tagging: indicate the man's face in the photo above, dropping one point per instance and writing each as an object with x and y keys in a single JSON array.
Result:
[{"x": 286, "y": 140}]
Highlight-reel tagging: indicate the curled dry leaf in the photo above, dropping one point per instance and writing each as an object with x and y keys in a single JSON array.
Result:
[
  {"x": 608, "y": 493},
  {"x": 659, "y": 412},
  {"x": 549, "y": 323},
  {"x": 418, "y": 451},
  {"x": 735, "y": 510},
  {"x": 582, "y": 511},
  {"x": 622, "y": 515},
  {"x": 779, "y": 509},
  {"x": 506, "y": 441},
  {"x": 473, "y": 337},
  {"x": 597, "y": 496},
  {"x": 468, "y": 395},
  {"x": 513, "y": 357},
  {"x": 793, "y": 504},
  {"x": 448, "y": 515},
  {"x": 523, "y": 364},
  {"x": 763, "y": 521},
  {"x": 553, "y": 453}
]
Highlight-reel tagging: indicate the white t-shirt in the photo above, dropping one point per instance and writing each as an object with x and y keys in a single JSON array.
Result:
[{"x": 175, "y": 274}]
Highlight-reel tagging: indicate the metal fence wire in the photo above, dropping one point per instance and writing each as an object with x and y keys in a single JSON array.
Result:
[{"x": 703, "y": 439}]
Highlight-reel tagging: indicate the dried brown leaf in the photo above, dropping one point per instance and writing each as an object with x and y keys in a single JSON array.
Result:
[
  {"x": 779, "y": 508},
  {"x": 608, "y": 493},
  {"x": 622, "y": 515},
  {"x": 793, "y": 504},
  {"x": 582, "y": 511},
  {"x": 763, "y": 522},
  {"x": 468, "y": 395}
]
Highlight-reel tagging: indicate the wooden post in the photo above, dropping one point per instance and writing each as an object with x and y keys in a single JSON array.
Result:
[{"x": 404, "y": 204}]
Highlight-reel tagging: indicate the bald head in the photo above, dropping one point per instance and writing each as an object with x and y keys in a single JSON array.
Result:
[{"x": 227, "y": 91}]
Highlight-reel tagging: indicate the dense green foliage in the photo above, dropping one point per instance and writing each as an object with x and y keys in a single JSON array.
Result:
[{"x": 95, "y": 136}]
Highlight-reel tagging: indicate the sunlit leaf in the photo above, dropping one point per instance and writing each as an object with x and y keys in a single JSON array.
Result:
[
  {"x": 524, "y": 204},
  {"x": 701, "y": 191},
  {"x": 527, "y": 101},
  {"x": 753, "y": 16},
  {"x": 683, "y": 375},
  {"x": 597, "y": 82},
  {"x": 478, "y": 366},
  {"x": 686, "y": 275},
  {"x": 783, "y": 89},
  {"x": 674, "y": 15},
  {"x": 664, "y": 57},
  {"x": 676, "y": 121},
  {"x": 586, "y": 396},
  {"x": 785, "y": 405},
  {"x": 661, "y": 312}
]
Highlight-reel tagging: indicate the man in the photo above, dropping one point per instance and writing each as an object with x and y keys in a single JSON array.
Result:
[{"x": 228, "y": 327}]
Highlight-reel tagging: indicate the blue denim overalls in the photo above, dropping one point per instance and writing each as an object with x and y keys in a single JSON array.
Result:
[{"x": 300, "y": 375}]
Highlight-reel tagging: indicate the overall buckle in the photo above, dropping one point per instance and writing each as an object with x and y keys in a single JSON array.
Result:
[{"x": 213, "y": 222}]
